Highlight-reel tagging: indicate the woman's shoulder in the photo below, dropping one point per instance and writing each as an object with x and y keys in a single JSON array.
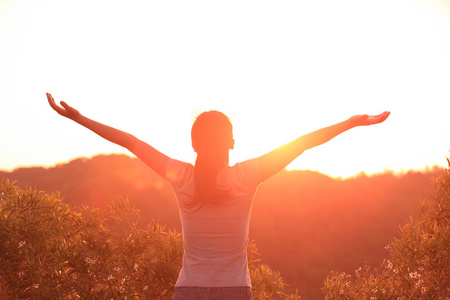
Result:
[
  {"x": 247, "y": 164},
  {"x": 177, "y": 169},
  {"x": 247, "y": 171}
]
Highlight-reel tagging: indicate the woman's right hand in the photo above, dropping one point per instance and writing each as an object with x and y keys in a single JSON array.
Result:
[
  {"x": 364, "y": 120},
  {"x": 64, "y": 110}
]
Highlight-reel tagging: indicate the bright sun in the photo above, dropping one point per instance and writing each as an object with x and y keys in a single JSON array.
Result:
[{"x": 278, "y": 70}]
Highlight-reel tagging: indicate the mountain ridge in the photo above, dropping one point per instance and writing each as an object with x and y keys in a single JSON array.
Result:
[{"x": 305, "y": 223}]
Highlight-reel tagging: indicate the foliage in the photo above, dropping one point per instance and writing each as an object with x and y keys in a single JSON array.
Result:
[
  {"x": 329, "y": 217},
  {"x": 49, "y": 250},
  {"x": 419, "y": 264},
  {"x": 266, "y": 283}
]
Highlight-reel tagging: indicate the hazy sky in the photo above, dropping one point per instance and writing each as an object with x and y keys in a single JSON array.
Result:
[{"x": 279, "y": 69}]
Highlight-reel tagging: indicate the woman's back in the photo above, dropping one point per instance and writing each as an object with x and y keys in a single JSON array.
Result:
[{"x": 215, "y": 233}]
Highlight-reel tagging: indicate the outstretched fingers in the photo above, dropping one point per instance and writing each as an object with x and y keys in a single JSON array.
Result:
[
  {"x": 52, "y": 103},
  {"x": 380, "y": 118},
  {"x": 372, "y": 120},
  {"x": 65, "y": 105},
  {"x": 364, "y": 120},
  {"x": 64, "y": 110}
]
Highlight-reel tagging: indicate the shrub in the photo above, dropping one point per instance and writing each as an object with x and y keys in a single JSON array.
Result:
[
  {"x": 419, "y": 264},
  {"x": 49, "y": 250}
]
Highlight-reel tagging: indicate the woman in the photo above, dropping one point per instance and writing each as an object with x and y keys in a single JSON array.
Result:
[{"x": 215, "y": 199}]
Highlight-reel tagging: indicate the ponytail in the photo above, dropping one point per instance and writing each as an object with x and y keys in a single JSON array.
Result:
[
  {"x": 207, "y": 167},
  {"x": 212, "y": 137}
]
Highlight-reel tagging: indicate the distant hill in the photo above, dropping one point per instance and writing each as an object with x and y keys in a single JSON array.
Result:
[{"x": 306, "y": 224}]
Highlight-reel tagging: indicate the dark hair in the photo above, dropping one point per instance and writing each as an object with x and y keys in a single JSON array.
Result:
[{"x": 212, "y": 137}]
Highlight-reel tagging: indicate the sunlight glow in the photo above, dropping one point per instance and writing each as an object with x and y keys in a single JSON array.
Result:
[{"x": 278, "y": 70}]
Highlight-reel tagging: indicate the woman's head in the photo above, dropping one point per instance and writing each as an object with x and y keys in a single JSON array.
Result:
[
  {"x": 212, "y": 138},
  {"x": 212, "y": 132}
]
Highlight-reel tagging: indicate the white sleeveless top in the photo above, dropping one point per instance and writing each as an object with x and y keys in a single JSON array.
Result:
[{"x": 215, "y": 235}]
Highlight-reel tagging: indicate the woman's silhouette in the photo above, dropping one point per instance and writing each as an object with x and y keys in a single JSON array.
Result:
[{"x": 215, "y": 199}]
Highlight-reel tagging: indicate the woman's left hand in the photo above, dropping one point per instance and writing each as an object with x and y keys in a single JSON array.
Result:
[{"x": 64, "y": 110}]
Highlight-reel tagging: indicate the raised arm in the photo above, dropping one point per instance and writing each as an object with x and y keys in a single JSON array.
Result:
[
  {"x": 274, "y": 161},
  {"x": 149, "y": 155}
]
